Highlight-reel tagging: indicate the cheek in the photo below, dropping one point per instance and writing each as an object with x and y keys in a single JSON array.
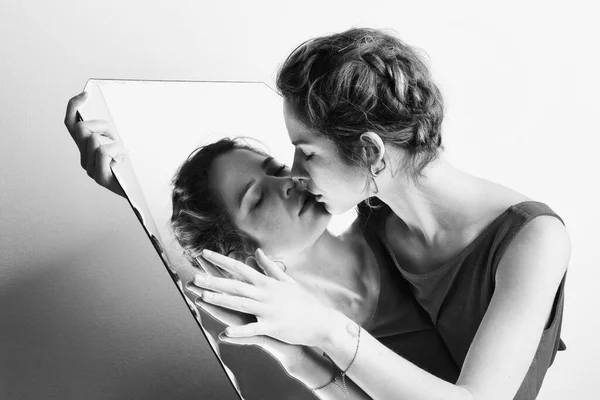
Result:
[
  {"x": 267, "y": 226},
  {"x": 348, "y": 179},
  {"x": 270, "y": 225},
  {"x": 324, "y": 173}
]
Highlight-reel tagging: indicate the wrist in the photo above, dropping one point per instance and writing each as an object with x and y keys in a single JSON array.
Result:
[{"x": 336, "y": 331}]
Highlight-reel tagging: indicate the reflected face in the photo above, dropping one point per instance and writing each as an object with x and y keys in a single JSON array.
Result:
[
  {"x": 264, "y": 201},
  {"x": 337, "y": 185}
]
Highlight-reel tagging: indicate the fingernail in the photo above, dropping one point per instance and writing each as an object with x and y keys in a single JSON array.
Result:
[
  {"x": 207, "y": 253},
  {"x": 207, "y": 295},
  {"x": 259, "y": 252},
  {"x": 199, "y": 279}
]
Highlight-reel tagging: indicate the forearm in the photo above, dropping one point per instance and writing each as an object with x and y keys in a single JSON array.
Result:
[{"x": 378, "y": 370}]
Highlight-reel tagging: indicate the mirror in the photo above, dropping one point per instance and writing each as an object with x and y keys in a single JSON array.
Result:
[{"x": 161, "y": 123}]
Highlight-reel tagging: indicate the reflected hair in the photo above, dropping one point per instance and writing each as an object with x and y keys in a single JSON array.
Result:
[
  {"x": 360, "y": 80},
  {"x": 200, "y": 220}
]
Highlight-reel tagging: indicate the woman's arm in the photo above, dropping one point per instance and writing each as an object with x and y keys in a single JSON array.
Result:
[
  {"x": 306, "y": 364},
  {"x": 527, "y": 280}
]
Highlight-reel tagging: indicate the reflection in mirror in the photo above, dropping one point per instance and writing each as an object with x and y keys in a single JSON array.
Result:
[
  {"x": 192, "y": 189},
  {"x": 160, "y": 124}
]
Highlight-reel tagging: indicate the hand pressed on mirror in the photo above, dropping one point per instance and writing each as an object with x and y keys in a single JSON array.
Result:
[
  {"x": 285, "y": 310},
  {"x": 486, "y": 262},
  {"x": 231, "y": 198},
  {"x": 281, "y": 375}
]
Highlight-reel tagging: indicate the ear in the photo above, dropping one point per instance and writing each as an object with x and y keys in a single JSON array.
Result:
[{"x": 373, "y": 148}]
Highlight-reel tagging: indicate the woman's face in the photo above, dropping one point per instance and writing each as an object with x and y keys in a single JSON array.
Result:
[
  {"x": 264, "y": 201},
  {"x": 338, "y": 186}
]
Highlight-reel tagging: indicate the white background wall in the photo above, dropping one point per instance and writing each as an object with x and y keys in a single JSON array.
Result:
[{"x": 86, "y": 309}]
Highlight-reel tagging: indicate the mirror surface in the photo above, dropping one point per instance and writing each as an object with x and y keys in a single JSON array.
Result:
[{"x": 160, "y": 123}]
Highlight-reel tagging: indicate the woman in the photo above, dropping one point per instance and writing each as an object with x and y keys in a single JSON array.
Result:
[
  {"x": 486, "y": 262},
  {"x": 231, "y": 198}
]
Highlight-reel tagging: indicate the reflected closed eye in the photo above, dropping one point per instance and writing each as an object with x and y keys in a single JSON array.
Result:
[
  {"x": 259, "y": 202},
  {"x": 280, "y": 170}
]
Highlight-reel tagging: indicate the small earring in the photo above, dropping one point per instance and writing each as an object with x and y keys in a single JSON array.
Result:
[
  {"x": 375, "y": 174},
  {"x": 281, "y": 262}
]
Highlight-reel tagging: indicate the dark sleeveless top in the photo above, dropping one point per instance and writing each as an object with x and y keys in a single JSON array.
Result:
[
  {"x": 456, "y": 294},
  {"x": 400, "y": 323}
]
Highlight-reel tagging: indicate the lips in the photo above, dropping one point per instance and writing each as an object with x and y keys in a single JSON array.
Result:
[{"x": 305, "y": 201}]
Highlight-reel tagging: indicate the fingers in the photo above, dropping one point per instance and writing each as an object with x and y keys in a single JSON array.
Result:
[
  {"x": 93, "y": 147},
  {"x": 105, "y": 154},
  {"x": 99, "y": 126},
  {"x": 241, "y": 304},
  {"x": 98, "y": 156},
  {"x": 83, "y": 131},
  {"x": 71, "y": 115},
  {"x": 228, "y": 286},
  {"x": 260, "y": 340},
  {"x": 233, "y": 266},
  {"x": 270, "y": 267},
  {"x": 251, "y": 329},
  {"x": 251, "y": 262}
]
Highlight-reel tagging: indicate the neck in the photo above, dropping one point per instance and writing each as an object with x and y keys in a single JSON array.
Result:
[
  {"x": 336, "y": 269},
  {"x": 327, "y": 257},
  {"x": 437, "y": 203}
]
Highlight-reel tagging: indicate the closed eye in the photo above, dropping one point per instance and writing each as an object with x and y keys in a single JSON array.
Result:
[
  {"x": 259, "y": 202},
  {"x": 307, "y": 157},
  {"x": 280, "y": 170}
]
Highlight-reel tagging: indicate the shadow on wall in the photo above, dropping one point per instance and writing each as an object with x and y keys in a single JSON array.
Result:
[{"x": 60, "y": 340}]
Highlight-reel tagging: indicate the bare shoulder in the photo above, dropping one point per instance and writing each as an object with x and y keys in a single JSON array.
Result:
[
  {"x": 543, "y": 234},
  {"x": 499, "y": 197},
  {"x": 539, "y": 252}
]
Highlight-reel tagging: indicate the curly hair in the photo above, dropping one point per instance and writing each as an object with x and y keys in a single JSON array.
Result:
[
  {"x": 360, "y": 80},
  {"x": 199, "y": 220}
]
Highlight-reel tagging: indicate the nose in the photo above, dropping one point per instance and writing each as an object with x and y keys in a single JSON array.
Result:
[
  {"x": 298, "y": 170},
  {"x": 287, "y": 186}
]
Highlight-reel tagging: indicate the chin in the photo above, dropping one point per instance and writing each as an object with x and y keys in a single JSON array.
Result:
[
  {"x": 336, "y": 209},
  {"x": 321, "y": 222}
]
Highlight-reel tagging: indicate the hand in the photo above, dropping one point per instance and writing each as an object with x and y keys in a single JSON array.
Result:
[
  {"x": 283, "y": 308},
  {"x": 97, "y": 145}
]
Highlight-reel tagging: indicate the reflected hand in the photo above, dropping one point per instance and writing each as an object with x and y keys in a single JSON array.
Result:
[
  {"x": 283, "y": 308},
  {"x": 97, "y": 145}
]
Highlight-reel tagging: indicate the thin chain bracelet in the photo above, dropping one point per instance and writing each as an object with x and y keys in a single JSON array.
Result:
[
  {"x": 333, "y": 379},
  {"x": 343, "y": 373}
]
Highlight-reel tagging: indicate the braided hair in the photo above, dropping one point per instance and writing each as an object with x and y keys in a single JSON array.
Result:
[{"x": 361, "y": 80}]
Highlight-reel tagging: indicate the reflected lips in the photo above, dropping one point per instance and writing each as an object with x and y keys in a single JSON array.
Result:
[{"x": 305, "y": 203}]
